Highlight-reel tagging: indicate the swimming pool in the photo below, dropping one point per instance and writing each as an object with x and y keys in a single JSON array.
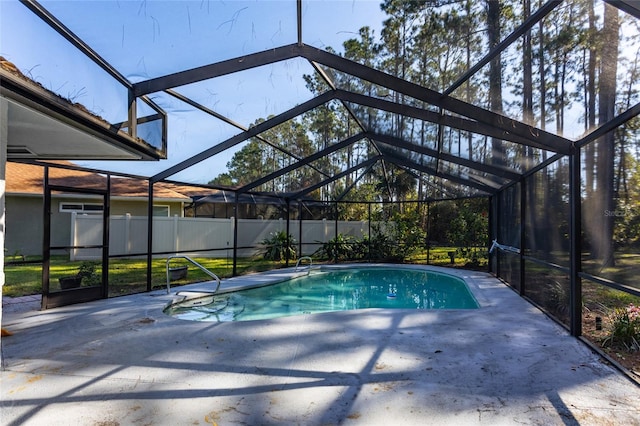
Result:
[{"x": 332, "y": 290}]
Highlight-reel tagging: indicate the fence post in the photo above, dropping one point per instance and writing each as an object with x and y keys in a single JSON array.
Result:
[
  {"x": 175, "y": 234},
  {"x": 324, "y": 230},
  {"x": 72, "y": 254},
  {"x": 127, "y": 233},
  {"x": 229, "y": 235},
  {"x": 234, "y": 221}
]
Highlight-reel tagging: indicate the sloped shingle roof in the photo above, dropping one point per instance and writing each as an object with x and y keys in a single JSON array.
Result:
[{"x": 22, "y": 178}]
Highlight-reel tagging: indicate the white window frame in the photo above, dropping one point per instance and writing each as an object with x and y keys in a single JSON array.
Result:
[
  {"x": 167, "y": 206},
  {"x": 80, "y": 207}
]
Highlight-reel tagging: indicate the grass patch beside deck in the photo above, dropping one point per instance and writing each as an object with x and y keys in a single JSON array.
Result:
[{"x": 126, "y": 276}]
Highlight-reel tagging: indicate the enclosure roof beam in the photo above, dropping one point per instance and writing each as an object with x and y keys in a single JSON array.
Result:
[
  {"x": 332, "y": 84},
  {"x": 459, "y": 123},
  {"x": 301, "y": 163},
  {"x": 241, "y": 137},
  {"x": 340, "y": 175},
  {"x": 444, "y": 190},
  {"x": 299, "y": 20},
  {"x": 509, "y": 125},
  {"x": 533, "y": 19},
  {"x": 492, "y": 119},
  {"x": 217, "y": 69},
  {"x": 485, "y": 168},
  {"x": 619, "y": 120},
  {"x": 354, "y": 183},
  {"x": 607, "y": 127},
  {"x": 392, "y": 158},
  {"x": 76, "y": 41},
  {"x": 628, "y": 6},
  {"x": 233, "y": 123}
]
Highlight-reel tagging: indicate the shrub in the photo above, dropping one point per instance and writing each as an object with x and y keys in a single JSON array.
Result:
[
  {"x": 341, "y": 247},
  {"x": 625, "y": 327},
  {"x": 382, "y": 246},
  {"x": 399, "y": 239},
  {"x": 88, "y": 273},
  {"x": 279, "y": 246}
]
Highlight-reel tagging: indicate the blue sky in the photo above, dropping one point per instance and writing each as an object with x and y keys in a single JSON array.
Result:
[{"x": 145, "y": 39}]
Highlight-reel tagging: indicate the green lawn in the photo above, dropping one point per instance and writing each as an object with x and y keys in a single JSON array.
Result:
[{"x": 126, "y": 276}]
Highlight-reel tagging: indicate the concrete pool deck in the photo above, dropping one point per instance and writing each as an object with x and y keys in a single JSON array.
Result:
[{"x": 123, "y": 361}]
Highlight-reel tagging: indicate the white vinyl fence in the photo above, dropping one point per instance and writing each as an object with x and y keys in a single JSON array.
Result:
[{"x": 204, "y": 237}]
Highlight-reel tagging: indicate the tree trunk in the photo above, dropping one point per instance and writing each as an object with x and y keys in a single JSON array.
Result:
[
  {"x": 589, "y": 212},
  {"x": 527, "y": 82},
  {"x": 605, "y": 149},
  {"x": 621, "y": 179},
  {"x": 494, "y": 8}
]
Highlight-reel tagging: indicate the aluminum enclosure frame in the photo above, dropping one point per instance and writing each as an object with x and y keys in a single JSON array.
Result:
[{"x": 491, "y": 180}]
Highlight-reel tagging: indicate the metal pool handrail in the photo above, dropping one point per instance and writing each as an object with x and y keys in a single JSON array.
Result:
[
  {"x": 202, "y": 268},
  {"x": 304, "y": 258}
]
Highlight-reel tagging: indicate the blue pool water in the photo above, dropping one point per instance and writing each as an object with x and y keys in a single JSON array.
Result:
[{"x": 333, "y": 290}]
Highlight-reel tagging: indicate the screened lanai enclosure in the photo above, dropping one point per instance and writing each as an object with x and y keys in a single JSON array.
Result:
[{"x": 499, "y": 135}]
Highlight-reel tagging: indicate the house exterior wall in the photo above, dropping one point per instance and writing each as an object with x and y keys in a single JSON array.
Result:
[
  {"x": 24, "y": 225},
  {"x": 4, "y": 135},
  {"x": 139, "y": 208},
  {"x": 24, "y": 228}
]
